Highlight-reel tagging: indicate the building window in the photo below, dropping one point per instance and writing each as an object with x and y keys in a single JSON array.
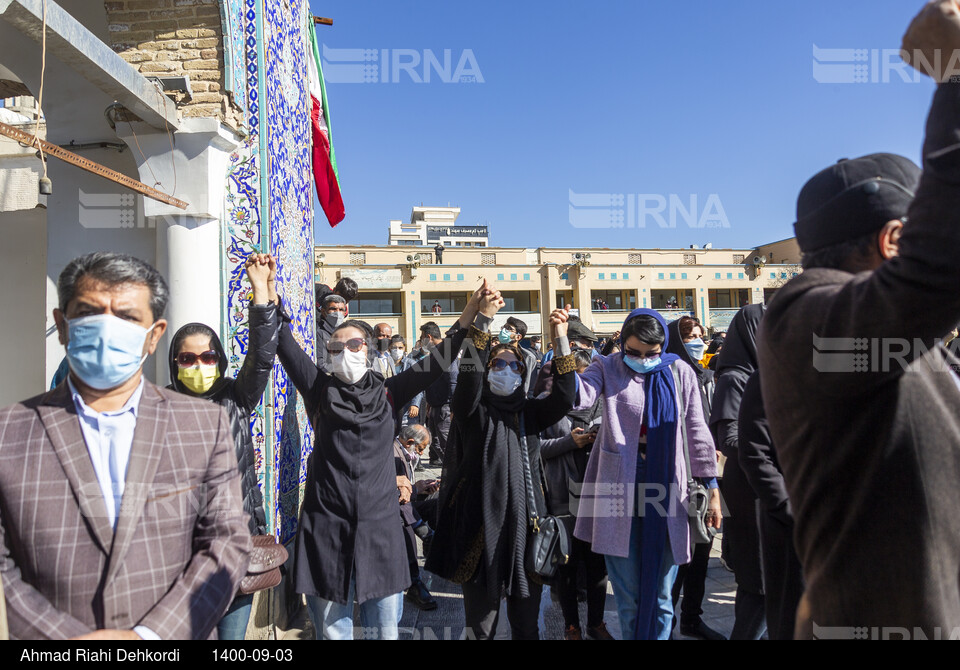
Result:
[
  {"x": 450, "y": 302},
  {"x": 737, "y": 259},
  {"x": 783, "y": 275},
  {"x": 672, "y": 299},
  {"x": 773, "y": 275},
  {"x": 358, "y": 258},
  {"x": 717, "y": 276},
  {"x": 739, "y": 275},
  {"x": 467, "y": 244},
  {"x": 626, "y": 275},
  {"x": 526, "y": 276},
  {"x": 602, "y": 276},
  {"x": 689, "y": 259},
  {"x": 446, "y": 277},
  {"x": 617, "y": 300},
  {"x": 564, "y": 275},
  {"x": 480, "y": 244},
  {"x": 433, "y": 277},
  {"x": 459, "y": 277},
  {"x": 408, "y": 243},
  {"x": 513, "y": 276},
  {"x": 729, "y": 275},
  {"x": 499, "y": 277},
  {"x": 683, "y": 275},
  {"x": 376, "y": 303},
  {"x": 634, "y": 259},
  {"x": 673, "y": 275},
  {"x": 659, "y": 275},
  {"x": 613, "y": 275},
  {"x": 488, "y": 259},
  {"x": 521, "y": 301}
]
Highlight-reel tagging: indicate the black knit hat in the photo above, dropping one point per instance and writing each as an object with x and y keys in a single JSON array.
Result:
[{"x": 853, "y": 198}]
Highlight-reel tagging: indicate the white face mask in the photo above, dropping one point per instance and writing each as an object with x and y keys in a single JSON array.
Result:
[
  {"x": 349, "y": 366},
  {"x": 396, "y": 354},
  {"x": 503, "y": 382}
]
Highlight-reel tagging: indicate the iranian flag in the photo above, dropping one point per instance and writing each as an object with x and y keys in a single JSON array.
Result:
[{"x": 324, "y": 160}]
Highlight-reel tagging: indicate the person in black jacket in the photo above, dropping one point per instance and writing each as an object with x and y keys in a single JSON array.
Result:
[
  {"x": 565, "y": 449},
  {"x": 737, "y": 362},
  {"x": 782, "y": 572},
  {"x": 481, "y": 535},
  {"x": 198, "y": 366},
  {"x": 349, "y": 545}
]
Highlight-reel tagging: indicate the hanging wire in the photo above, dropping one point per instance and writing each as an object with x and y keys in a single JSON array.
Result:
[{"x": 43, "y": 69}]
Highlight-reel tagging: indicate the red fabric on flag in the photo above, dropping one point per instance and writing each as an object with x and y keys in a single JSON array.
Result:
[{"x": 328, "y": 188}]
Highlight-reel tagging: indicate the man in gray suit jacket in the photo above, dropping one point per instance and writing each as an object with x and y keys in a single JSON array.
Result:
[{"x": 120, "y": 509}]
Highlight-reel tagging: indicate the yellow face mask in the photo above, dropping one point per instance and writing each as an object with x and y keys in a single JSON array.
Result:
[{"x": 200, "y": 378}]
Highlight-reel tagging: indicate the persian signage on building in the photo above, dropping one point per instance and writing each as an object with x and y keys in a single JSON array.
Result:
[
  {"x": 375, "y": 279},
  {"x": 434, "y": 233}
]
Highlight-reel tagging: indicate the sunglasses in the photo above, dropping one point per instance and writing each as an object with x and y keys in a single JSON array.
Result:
[
  {"x": 188, "y": 359},
  {"x": 637, "y": 354},
  {"x": 501, "y": 364},
  {"x": 354, "y": 344}
]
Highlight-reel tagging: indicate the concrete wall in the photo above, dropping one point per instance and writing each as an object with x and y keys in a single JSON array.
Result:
[{"x": 23, "y": 276}]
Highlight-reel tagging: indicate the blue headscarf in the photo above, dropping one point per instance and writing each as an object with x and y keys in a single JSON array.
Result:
[{"x": 660, "y": 412}]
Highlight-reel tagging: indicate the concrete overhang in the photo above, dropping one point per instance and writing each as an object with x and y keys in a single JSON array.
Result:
[{"x": 71, "y": 42}]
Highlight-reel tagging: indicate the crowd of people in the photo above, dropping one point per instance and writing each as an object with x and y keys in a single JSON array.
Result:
[{"x": 130, "y": 511}]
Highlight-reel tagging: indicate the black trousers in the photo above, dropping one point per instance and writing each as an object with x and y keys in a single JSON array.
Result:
[
  {"x": 595, "y": 571},
  {"x": 782, "y": 576},
  {"x": 481, "y": 613},
  {"x": 692, "y": 579},
  {"x": 439, "y": 426}
]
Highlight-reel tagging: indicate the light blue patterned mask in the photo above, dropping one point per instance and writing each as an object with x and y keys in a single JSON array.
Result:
[{"x": 104, "y": 351}]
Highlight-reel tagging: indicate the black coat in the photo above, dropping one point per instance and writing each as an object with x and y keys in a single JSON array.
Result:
[
  {"x": 458, "y": 548},
  {"x": 348, "y": 522},
  {"x": 240, "y": 397}
]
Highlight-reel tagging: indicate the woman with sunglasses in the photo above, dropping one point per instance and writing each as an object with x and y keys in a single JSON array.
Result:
[
  {"x": 634, "y": 504},
  {"x": 198, "y": 367},
  {"x": 350, "y": 544},
  {"x": 481, "y": 535}
]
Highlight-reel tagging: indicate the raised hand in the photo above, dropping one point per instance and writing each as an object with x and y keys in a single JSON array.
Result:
[
  {"x": 473, "y": 305},
  {"x": 933, "y": 40},
  {"x": 558, "y": 324},
  {"x": 262, "y": 271},
  {"x": 491, "y": 303}
]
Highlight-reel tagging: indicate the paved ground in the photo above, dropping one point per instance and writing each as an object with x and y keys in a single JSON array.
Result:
[{"x": 446, "y": 622}]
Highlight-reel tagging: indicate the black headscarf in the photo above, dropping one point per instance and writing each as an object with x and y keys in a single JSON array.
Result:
[
  {"x": 503, "y": 494},
  {"x": 737, "y": 361},
  {"x": 675, "y": 346},
  {"x": 215, "y": 344}
]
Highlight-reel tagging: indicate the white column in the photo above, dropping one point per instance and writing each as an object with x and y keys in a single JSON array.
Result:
[{"x": 189, "y": 249}]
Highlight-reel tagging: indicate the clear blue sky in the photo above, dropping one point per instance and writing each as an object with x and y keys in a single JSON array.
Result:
[{"x": 628, "y": 97}]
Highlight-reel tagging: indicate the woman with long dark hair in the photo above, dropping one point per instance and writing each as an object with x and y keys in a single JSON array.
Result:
[{"x": 634, "y": 504}]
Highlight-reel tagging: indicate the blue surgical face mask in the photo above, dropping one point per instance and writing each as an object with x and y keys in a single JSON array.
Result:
[
  {"x": 696, "y": 349},
  {"x": 104, "y": 351},
  {"x": 641, "y": 365},
  {"x": 505, "y": 336}
]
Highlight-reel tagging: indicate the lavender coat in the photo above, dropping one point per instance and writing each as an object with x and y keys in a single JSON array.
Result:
[{"x": 606, "y": 509}]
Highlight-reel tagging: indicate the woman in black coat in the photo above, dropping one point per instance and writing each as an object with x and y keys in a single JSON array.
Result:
[
  {"x": 350, "y": 546},
  {"x": 198, "y": 367},
  {"x": 481, "y": 533}
]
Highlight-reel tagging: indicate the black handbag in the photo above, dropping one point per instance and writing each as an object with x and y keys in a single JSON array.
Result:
[
  {"x": 548, "y": 543},
  {"x": 698, "y": 504}
]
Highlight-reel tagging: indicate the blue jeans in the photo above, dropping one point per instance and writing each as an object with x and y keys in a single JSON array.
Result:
[
  {"x": 233, "y": 625},
  {"x": 379, "y": 617},
  {"x": 624, "y": 575}
]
